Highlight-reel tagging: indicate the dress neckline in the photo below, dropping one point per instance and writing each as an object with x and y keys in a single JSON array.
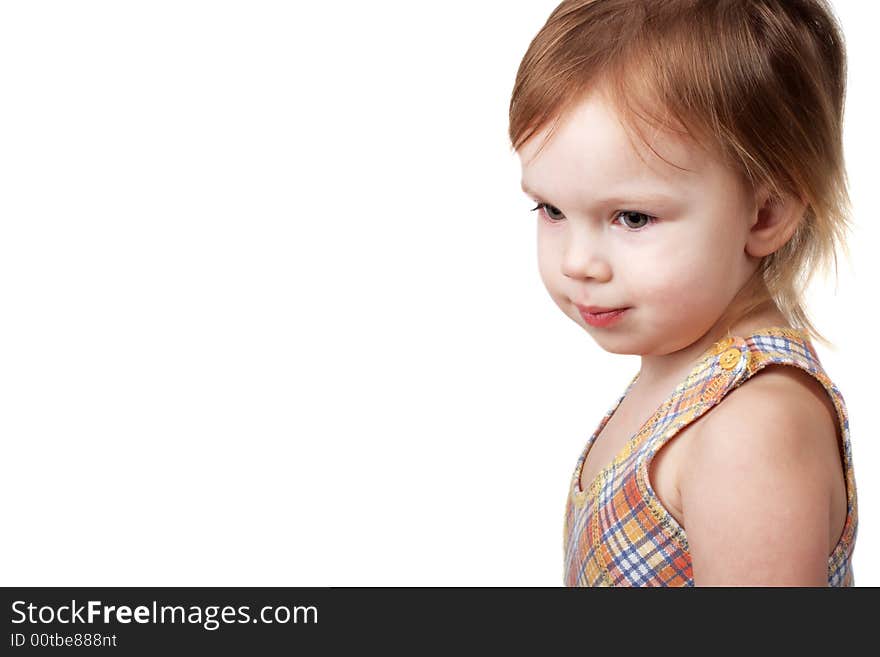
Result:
[{"x": 728, "y": 340}]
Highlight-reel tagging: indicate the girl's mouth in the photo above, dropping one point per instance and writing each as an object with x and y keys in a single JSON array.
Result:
[{"x": 602, "y": 319}]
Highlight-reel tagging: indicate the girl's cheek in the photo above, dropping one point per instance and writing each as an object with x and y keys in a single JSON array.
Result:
[{"x": 663, "y": 281}]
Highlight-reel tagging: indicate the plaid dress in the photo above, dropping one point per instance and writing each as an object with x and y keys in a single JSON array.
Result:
[{"x": 618, "y": 533}]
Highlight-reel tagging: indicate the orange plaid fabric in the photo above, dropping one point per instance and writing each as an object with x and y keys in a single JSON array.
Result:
[{"x": 618, "y": 533}]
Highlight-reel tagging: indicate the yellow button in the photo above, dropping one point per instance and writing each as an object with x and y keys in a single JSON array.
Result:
[
  {"x": 730, "y": 358},
  {"x": 721, "y": 345}
]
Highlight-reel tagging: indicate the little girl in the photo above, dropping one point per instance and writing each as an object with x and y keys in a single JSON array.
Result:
[{"x": 687, "y": 164}]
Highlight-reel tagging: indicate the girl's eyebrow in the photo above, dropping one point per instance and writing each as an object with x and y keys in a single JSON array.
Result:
[{"x": 644, "y": 196}]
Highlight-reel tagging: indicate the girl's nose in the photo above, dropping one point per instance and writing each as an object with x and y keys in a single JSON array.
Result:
[{"x": 586, "y": 258}]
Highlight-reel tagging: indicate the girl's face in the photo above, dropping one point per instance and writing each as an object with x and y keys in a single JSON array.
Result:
[{"x": 616, "y": 232}]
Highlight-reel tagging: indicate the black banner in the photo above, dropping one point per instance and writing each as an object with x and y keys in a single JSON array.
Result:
[{"x": 127, "y": 621}]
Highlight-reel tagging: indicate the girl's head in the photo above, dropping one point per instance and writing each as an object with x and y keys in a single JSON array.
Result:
[{"x": 688, "y": 158}]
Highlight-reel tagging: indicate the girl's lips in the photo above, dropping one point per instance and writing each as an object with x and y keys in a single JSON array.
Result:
[
  {"x": 601, "y": 319},
  {"x": 597, "y": 310}
]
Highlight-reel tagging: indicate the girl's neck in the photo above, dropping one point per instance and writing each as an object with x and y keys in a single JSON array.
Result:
[{"x": 668, "y": 370}]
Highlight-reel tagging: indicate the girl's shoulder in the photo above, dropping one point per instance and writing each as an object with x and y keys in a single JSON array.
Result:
[{"x": 762, "y": 480}]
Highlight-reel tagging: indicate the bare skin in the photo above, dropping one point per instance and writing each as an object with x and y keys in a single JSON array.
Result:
[{"x": 671, "y": 461}]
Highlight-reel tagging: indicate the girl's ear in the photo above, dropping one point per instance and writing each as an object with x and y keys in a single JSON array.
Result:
[{"x": 773, "y": 222}]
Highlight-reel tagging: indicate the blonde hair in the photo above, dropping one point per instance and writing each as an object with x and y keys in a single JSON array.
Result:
[{"x": 759, "y": 84}]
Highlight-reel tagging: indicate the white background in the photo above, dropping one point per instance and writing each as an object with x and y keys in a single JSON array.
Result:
[{"x": 271, "y": 312}]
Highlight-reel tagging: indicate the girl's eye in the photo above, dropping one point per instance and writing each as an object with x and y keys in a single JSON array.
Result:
[
  {"x": 639, "y": 217},
  {"x": 545, "y": 210}
]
